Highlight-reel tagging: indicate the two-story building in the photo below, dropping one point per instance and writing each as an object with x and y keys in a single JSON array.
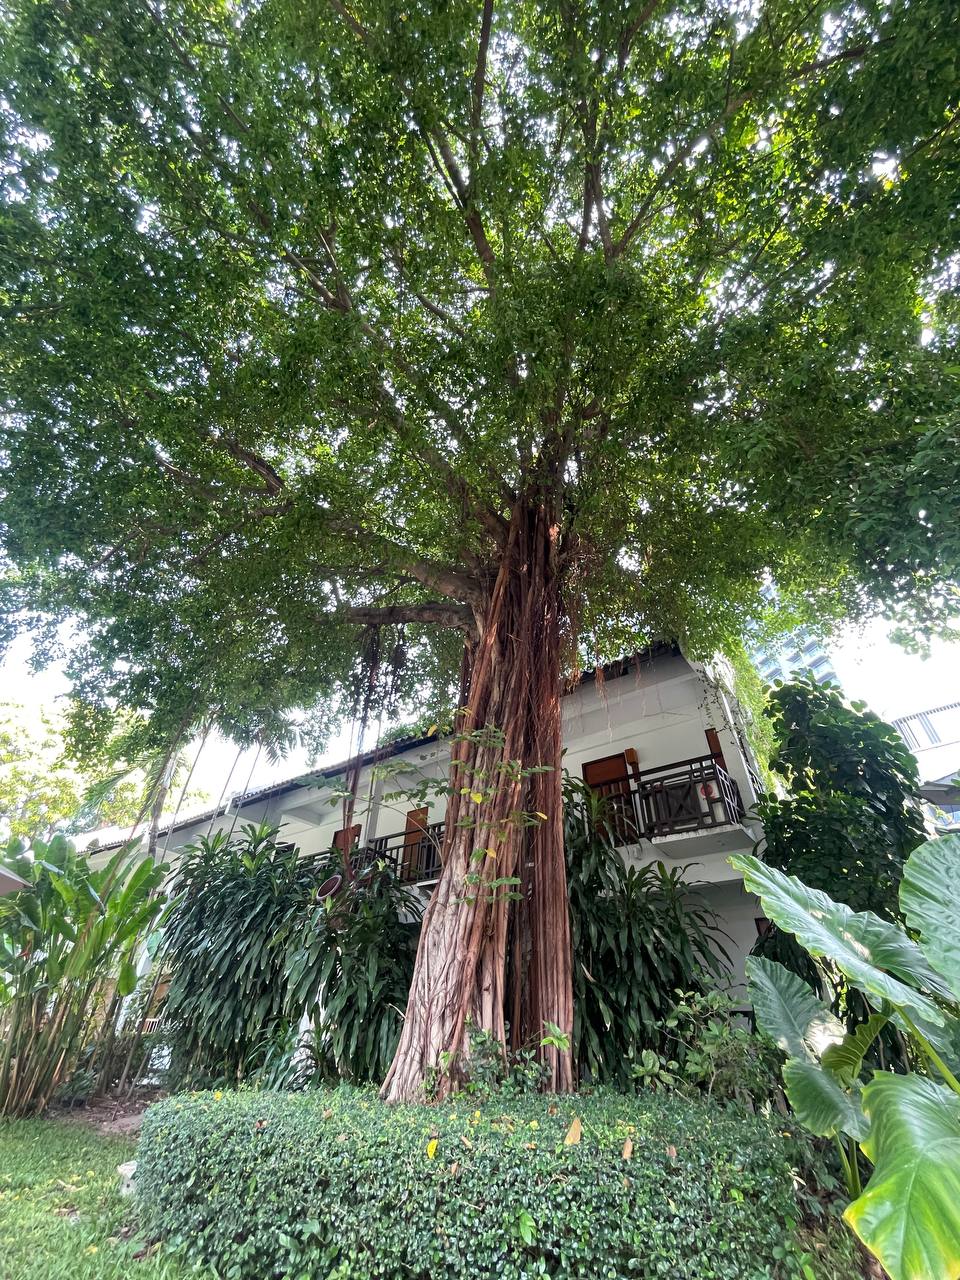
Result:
[{"x": 660, "y": 736}]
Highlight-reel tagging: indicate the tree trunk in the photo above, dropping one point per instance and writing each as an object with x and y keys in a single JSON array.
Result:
[{"x": 495, "y": 841}]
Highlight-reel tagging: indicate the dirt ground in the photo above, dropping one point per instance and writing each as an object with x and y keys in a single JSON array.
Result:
[{"x": 106, "y": 1115}]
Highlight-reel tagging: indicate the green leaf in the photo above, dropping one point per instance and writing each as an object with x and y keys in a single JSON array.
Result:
[
  {"x": 819, "y": 1101},
  {"x": 930, "y": 900},
  {"x": 909, "y": 1214},
  {"x": 845, "y": 1060},
  {"x": 868, "y": 950},
  {"x": 789, "y": 1011},
  {"x": 526, "y": 1227},
  {"x": 127, "y": 980}
]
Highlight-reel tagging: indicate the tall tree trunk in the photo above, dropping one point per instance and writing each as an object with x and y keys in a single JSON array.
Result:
[{"x": 509, "y": 724}]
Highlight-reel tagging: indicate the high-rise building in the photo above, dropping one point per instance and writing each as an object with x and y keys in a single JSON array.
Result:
[{"x": 797, "y": 653}]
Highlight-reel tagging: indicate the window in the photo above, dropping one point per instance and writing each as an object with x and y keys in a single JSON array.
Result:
[
  {"x": 609, "y": 778},
  {"x": 346, "y": 838}
]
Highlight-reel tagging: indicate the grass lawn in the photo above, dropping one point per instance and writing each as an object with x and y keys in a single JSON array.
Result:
[{"x": 61, "y": 1215}]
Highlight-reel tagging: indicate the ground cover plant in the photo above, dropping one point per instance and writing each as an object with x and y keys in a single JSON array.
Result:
[
  {"x": 61, "y": 1215},
  {"x": 336, "y": 1184}
]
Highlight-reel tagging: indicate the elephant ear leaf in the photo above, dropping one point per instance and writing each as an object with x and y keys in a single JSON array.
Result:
[
  {"x": 878, "y": 957},
  {"x": 845, "y": 1060},
  {"x": 789, "y": 1010},
  {"x": 819, "y": 1101},
  {"x": 909, "y": 1215},
  {"x": 930, "y": 901}
]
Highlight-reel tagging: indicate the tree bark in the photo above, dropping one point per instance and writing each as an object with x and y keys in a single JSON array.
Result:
[{"x": 495, "y": 839}]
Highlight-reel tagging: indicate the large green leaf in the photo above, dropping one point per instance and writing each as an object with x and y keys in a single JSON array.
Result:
[
  {"x": 789, "y": 1011},
  {"x": 819, "y": 1101},
  {"x": 909, "y": 1215},
  {"x": 876, "y": 956},
  {"x": 930, "y": 900}
]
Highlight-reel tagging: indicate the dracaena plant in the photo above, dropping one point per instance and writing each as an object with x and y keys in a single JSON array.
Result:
[
  {"x": 639, "y": 935},
  {"x": 907, "y": 1126}
]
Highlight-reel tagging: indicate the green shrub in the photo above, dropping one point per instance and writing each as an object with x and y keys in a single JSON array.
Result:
[
  {"x": 252, "y": 948},
  {"x": 337, "y": 1186},
  {"x": 639, "y": 935},
  {"x": 68, "y": 944}
]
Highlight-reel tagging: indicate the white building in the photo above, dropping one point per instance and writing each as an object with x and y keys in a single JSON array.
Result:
[
  {"x": 934, "y": 738},
  {"x": 660, "y": 736}
]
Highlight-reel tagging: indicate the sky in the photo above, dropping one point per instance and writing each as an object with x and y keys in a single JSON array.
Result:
[
  {"x": 870, "y": 667},
  {"x": 893, "y": 682}
]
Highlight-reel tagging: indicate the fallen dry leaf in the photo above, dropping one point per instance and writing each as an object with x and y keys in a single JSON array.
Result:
[{"x": 574, "y": 1133}]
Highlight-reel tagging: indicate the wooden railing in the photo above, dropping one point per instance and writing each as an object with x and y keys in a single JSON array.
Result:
[
  {"x": 675, "y": 799},
  {"x": 680, "y": 798},
  {"x": 413, "y": 856}
]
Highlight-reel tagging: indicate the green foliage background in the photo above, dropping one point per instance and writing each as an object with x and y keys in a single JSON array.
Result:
[{"x": 852, "y": 812}]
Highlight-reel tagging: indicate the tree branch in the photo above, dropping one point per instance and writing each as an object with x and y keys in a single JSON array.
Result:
[
  {"x": 461, "y": 188},
  {"x": 479, "y": 79},
  {"x": 437, "y": 613},
  {"x": 449, "y": 582},
  {"x": 731, "y": 107},
  {"x": 631, "y": 32},
  {"x": 470, "y": 214},
  {"x": 592, "y": 184},
  {"x": 259, "y": 466}
]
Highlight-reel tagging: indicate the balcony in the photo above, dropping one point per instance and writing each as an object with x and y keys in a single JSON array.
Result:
[
  {"x": 413, "y": 856},
  {"x": 692, "y": 806}
]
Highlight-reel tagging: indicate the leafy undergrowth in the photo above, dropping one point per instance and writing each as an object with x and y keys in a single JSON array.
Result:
[
  {"x": 61, "y": 1214},
  {"x": 336, "y": 1185},
  {"x": 830, "y": 1252}
]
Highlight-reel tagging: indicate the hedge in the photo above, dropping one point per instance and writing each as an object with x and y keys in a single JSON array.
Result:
[{"x": 337, "y": 1186}]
